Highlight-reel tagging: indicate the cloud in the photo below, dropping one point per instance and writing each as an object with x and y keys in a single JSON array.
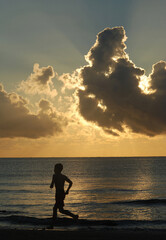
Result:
[
  {"x": 39, "y": 82},
  {"x": 71, "y": 81},
  {"x": 17, "y": 121},
  {"x": 117, "y": 94}
]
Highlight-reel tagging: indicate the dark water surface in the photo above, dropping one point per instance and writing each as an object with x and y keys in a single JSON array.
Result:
[{"x": 124, "y": 190}]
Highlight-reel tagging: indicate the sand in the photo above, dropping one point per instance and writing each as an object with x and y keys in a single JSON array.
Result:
[{"x": 9, "y": 234}]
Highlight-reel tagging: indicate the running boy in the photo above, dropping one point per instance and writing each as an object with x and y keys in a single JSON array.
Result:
[{"x": 58, "y": 179}]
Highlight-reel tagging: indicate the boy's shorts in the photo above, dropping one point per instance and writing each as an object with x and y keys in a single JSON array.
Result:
[{"x": 59, "y": 199}]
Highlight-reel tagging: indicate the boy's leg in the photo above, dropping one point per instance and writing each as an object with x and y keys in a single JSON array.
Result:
[
  {"x": 53, "y": 217},
  {"x": 68, "y": 213},
  {"x": 54, "y": 212}
]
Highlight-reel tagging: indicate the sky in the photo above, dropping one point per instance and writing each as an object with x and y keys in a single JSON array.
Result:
[{"x": 82, "y": 78}]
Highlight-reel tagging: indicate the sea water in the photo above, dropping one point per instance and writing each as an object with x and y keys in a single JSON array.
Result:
[{"x": 130, "y": 192}]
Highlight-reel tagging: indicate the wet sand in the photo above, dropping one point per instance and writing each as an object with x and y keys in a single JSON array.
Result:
[{"x": 8, "y": 234}]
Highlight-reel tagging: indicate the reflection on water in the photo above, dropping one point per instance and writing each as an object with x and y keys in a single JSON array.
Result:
[{"x": 121, "y": 182}]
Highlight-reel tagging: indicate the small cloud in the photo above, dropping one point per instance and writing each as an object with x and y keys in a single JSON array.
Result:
[
  {"x": 71, "y": 81},
  {"x": 39, "y": 82},
  {"x": 18, "y": 121}
]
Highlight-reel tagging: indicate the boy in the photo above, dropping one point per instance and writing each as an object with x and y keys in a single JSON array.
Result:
[{"x": 59, "y": 180}]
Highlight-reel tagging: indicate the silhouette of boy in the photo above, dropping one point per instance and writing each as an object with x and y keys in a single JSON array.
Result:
[{"x": 58, "y": 179}]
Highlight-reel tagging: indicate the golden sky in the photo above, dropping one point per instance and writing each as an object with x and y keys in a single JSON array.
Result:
[{"x": 74, "y": 86}]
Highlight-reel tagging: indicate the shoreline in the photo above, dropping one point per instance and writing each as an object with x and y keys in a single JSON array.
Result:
[{"x": 87, "y": 234}]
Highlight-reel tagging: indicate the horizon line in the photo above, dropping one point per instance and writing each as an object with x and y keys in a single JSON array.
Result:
[{"x": 92, "y": 157}]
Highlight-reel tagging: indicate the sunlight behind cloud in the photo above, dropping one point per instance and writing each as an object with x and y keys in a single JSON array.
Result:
[{"x": 145, "y": 85}]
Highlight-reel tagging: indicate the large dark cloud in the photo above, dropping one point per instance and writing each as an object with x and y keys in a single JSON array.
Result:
[
  {"x": 112, "y": 97},
  {"x": 16, "y": 120}
]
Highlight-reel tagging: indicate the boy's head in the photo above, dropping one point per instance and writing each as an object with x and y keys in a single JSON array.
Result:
[{"x": 58, "y": 168}]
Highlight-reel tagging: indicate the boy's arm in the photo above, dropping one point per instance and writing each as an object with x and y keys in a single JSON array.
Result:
[
  {"x": 52, "y": 182},
  {"x": 70, "y": 184}
]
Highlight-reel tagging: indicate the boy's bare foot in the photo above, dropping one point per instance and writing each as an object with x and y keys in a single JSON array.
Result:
[{"x": 76, "y": 217}]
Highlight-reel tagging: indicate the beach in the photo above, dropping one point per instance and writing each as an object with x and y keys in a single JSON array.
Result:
[{"x": 136, "y": 234}]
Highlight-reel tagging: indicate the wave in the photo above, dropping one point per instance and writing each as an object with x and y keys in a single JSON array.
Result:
[
  {"x": 110, "y": 190},
  {"x": 6, "y": 212},
  {"x": 21, "y": 191},
  {"x": 142, "y": 202},
  {"x": 33, "y": 221},
  {"x": 129, "y": 202},
  {"x": 23, "y": 220}
]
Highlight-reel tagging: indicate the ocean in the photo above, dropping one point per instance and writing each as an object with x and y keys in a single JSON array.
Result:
[{"x": 124, "y": 192}]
